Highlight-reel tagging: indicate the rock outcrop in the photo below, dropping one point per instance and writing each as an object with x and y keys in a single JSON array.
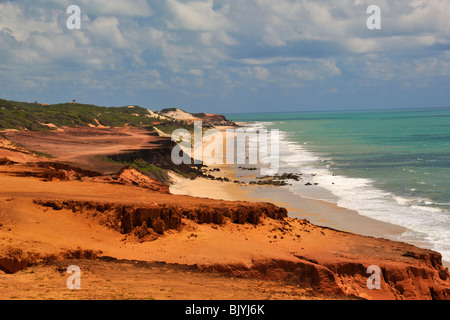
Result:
[
  {"x": 161, "y": 217},
  {"x": 217, "y": 120},
  {"x": 130, "y": 176},
  {"x": 399, "y": 280},
  {"x": 6, "y": 162},
  {"x": 13, "y": 260},
  {"x": 50, "y": 171}
]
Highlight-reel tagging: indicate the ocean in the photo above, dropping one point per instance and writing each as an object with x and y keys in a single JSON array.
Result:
[{"x": 389, "y": 165}]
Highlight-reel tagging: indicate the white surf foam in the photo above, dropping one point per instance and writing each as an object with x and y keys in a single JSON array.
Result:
[{"x": 424, "y": 221}]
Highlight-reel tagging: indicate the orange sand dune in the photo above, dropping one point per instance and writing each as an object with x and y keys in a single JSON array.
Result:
[{"x": 286, "y": 250}]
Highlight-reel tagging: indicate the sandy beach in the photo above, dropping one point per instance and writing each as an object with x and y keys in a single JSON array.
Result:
[
  {"x": 318, "y": 212},
  {"x": 52, "y": 215},
  {"x": 224, "y": 150}
]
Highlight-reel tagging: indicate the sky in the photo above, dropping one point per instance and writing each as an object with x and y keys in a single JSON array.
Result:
[{"x": 227, "y": 56}]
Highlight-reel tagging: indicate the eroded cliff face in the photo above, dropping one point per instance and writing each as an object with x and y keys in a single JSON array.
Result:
[
  {"x": 265, "y": 242},
  {"x": 59, "y": 171},
  {"x": 159, "y": 158},
  {"x": 131, "y": 176},
  {"x": 421, "y": 278},
  {"x": 328, "y": 261},
  {"x": 50, "y": 171},
  {"x": 160, "y": 217},
  {"x": 13, "y": 260}
]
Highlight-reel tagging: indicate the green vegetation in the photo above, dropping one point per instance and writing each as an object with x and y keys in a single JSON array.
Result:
[
  {"x": 144, "y": 167},
  {"x": 199, "y": 115},
  {"x": 42, "y": 154},
  {"x": 38, "y": 117},
  {"x": 169, "y": 127},
  {"x": 33, "y": 116},
  {"x": 188, "y": 175},
  {"x": 166, "y": 110}
]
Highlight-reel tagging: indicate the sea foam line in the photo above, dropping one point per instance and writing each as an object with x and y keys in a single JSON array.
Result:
[{"x": 424, "y": 222}]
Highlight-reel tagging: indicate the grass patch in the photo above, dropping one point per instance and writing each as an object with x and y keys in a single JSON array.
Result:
[
  {"x": 143, "y": 167},
  {"x": 33, "y": 116},
  {"x": 189, "y": 175},
  {"x": 106, "y": 159},
  {"x": 42, "y": 154},
  {"x": 170, "y": 127}
]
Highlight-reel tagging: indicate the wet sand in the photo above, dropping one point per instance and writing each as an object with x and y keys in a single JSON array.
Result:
[
  {"x": 317, "y": 212},
  {"x": 320, "y": 213}
]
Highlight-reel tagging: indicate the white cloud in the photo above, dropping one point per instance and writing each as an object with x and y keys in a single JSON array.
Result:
[
  {"x": 261, "y": 73},
  {"x": 217, "y": 38},
  {"x": 196, "y": 72},
  {"x": 117, "y": 8},
  {"x": 419, "y": 69},
  {"x": 105, "y": 31},
  {"x": 333, "y": 90},
  {"x": 21, "y": 25},
  {"x": 312, "y": 70},
  {"x": 135, "y": 8},
  {"x": 197, "y": 16},
  {"x": 229, "y": 43},
  {"x": 258, "y": 72}
]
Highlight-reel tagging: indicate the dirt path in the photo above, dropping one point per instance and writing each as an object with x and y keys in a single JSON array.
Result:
[{"x": 84, "y": 145}]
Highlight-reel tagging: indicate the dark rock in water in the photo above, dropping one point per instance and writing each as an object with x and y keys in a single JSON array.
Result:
[
  {"x": 249, "y": 169},
  {"x": 284, "y": 176},
  {"x": 291, "y": 176},
  {"x": 269, "y": 182},
  {"x": 308, "y": 184}
]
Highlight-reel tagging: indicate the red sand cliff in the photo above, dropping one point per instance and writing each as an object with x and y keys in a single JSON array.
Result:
[{"x": 52, "y": 212}]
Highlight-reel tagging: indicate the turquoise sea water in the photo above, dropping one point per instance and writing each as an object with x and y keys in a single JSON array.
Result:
[{"x": 393, "y": 166}]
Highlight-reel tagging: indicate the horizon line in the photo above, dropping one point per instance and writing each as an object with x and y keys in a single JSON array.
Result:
[{"x": 341, "y": 110}]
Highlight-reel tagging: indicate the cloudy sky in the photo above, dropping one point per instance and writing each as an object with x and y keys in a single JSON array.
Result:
[{"x": 227, "y": 55}]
